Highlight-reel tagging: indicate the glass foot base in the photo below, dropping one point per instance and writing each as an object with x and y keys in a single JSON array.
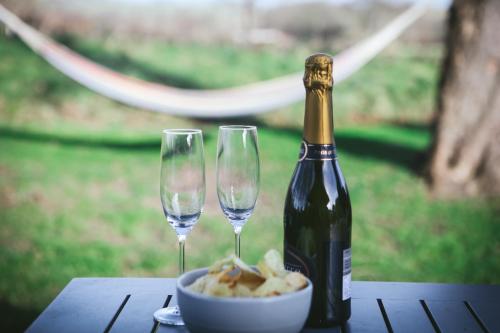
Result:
[{"x": 169, "y": 316}]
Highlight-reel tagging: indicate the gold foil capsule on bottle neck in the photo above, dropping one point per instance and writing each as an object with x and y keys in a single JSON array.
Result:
[
  {"x": 318, "y": 117},
  {"x": 318, "y": 72}
]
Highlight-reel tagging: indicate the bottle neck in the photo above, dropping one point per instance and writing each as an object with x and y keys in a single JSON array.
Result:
[{"x": 318, "y": 118}]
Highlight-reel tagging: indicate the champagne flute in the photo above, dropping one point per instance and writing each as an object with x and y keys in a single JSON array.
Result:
[
  {"x": 238, "y": 175},
  {"x": 182, "y": 191}
]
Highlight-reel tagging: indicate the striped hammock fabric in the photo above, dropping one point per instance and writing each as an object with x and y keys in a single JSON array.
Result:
[{"x": 239, "y": 101}]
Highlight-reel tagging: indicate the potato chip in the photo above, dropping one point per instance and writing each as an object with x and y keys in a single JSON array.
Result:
[
  {"x": 272, "y": 265},
  {"x": 231, "y": 277},
  {"x": 272, "y": 287},
  {"x": 296, "y": 280},
  {"x": 199, "y": 284},
  {"x": 219, "y": 265},
  {"x": 240, "y": 290},
  {"x": 214, "y": 288},
  {"x": 244, "y": 267},
  {"x": 251, "y": 280},
  {"x": 233, "y": 261}
]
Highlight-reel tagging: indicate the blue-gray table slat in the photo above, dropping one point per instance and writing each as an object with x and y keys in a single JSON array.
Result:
[
  {"x": 425, "y": 291},
  {"x": 322, "y": 330},
  {"x": 488, "y": 313},
  {"x": 137, "y": 315},
  {"x": 167, "y": 329},
  {"x": 407, "y": 316},
  {"x": 70, "y": 312},
  {"x": 90, "y": 304},
  {"x": 170, "y": 329},
  {"x": 453, "y": 317},
  {"x": 365, "y": 317}
]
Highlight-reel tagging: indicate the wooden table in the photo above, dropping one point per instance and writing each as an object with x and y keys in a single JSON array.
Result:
[{"x": 127, "y": 305}]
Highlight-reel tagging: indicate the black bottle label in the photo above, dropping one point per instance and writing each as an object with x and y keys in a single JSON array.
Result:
[
  {"x": 317, "y": 152},
  {"x": 297, "y": 262}
]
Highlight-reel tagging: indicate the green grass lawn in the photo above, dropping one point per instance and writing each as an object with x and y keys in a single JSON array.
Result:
[{"x": 79, "y": 173}]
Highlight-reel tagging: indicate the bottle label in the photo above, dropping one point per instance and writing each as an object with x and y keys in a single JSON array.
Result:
[
  {"x": 346, "y": 275},
  {"x": 296, "y": 262},
  {"x": 317, "y": 152}
]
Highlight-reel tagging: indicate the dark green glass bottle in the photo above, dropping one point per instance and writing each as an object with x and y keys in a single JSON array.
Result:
[{"x": 317, "y": 215}]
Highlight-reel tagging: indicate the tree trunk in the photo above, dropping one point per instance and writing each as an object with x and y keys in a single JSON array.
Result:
[{"x": 465, "y": 157}]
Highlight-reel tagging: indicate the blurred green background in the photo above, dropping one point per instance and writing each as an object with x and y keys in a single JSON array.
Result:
[{"x": 79, "y": 191}]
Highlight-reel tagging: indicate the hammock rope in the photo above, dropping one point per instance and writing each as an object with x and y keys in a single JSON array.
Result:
[{"x": 239, "y": 101}]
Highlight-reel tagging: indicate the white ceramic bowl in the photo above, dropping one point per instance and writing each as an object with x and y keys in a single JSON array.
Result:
[{"x": 286, "y": 313}]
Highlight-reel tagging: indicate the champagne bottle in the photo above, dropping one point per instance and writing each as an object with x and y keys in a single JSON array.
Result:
[{"x": 317, "y": 219}]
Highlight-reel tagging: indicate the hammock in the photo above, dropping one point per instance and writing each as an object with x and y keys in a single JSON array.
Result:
[{"x": 239, "y": 101}]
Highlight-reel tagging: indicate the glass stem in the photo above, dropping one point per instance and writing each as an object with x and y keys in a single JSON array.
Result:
[
  {"x": 182, "y": 241},
  {"x": 237, "y": 233}
]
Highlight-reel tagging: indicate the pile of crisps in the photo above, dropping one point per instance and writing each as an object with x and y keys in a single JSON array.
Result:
[{"x": 231, "y": 277}]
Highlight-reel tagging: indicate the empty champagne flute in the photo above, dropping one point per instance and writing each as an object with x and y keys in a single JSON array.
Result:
[
  {"x": 238, "y": 175},
  {"x": 182, "y": 192}
]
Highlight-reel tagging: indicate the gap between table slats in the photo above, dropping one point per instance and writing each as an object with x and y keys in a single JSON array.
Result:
[
  {"x": 120, "y": 309},
  {"x": 343, "y": 329},
  {"x": 117, "y": 313},
  {"x": 469, "y": 310},
  {"x": 430, "y": 316},
  {"x": 156, "y": 323},
  {"x": 384, "y": 315},
  {"x": 476, "y": 317}
]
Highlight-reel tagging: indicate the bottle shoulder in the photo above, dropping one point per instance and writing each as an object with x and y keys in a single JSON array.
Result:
[
  {"x": 324, "y": 174},
  {"x": 316, "y": 184}
]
